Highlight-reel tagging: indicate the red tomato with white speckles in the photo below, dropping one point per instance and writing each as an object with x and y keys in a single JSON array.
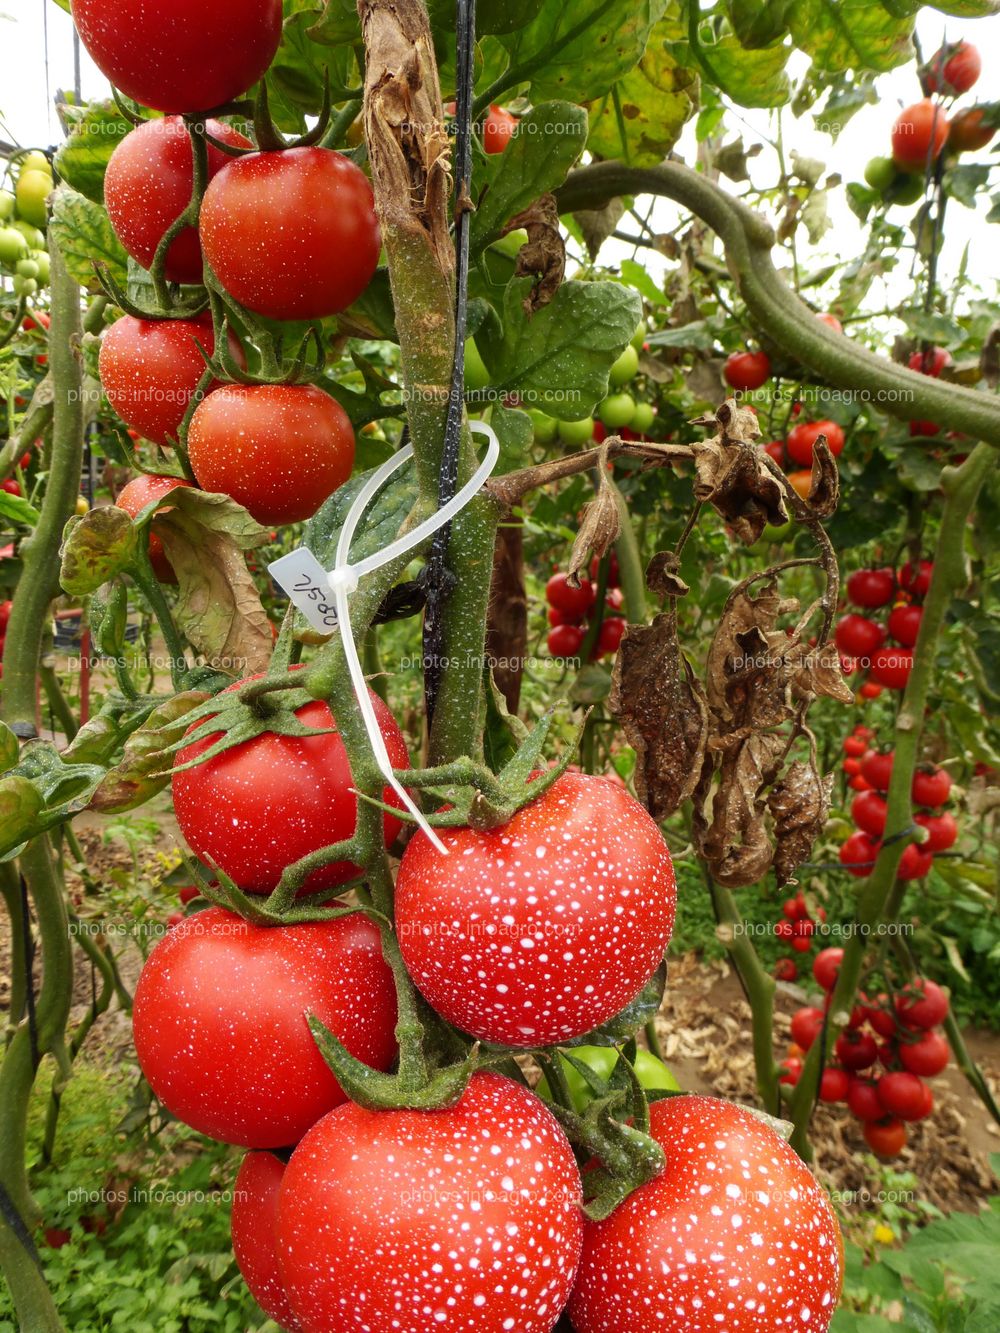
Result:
[
  {"x": 280, "y": 450},
  {"x": 292, "y": 234},
  {"x": 220, "y": 1027},
  {"x": 467, "y": 1218},
  {"x": 538, "y": 931},
  {"x": 254, "y": 1226},
  {"x": 736, "y": 1234},
  {"x": 261, "y": 805}
]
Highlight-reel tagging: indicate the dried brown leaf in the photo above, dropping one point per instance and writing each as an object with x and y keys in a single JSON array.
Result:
[
  {"x": 600, "y": 525},
  {"x": 662, "y": 710},
  {"x": 735, "y": 843},
  {"x": 732, "y": 473},
  {"x": 799, "y": 803},
  {"x": 824, "y": 489},
  {"x": 543, "y": 255},
  {"x": 662, "y": 576},
  {"x": 819, "y": 673}
]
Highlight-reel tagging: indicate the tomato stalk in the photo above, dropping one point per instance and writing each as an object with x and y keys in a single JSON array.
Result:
[{"x": 881, "y": 894}]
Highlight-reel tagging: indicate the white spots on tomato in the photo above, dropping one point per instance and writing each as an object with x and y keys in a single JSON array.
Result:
[
  {"x": 673, "y": 1256},
  {"x": 571, "y": 904}
]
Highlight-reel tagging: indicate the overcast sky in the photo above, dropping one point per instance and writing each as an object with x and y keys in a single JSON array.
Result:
[{"x": 26, "y": 92}]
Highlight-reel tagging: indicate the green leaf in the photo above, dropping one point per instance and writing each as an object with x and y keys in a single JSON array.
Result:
[
  {"x": 84, "y": 235},
  {"x": 578, "y": 48},
  {"x": 558, "y": 360},
  {"x": 933, "y": 328},
  {"x": 18, "y": 509},
  {"x": 516, "y": 435},
  {"x": 10, "y": 748},
  {"x": 548, "y": 141},
  {"x": 383, "y": 521},
  {"x": 147, "y": 753},
  {"x": 339, "y": 22},
  {"x": 752, "y": 78},
  {"x": 640, "y": 120},
  {"x": 220, "y": 513},
  {"x": 95, "y": 548},
  {"x": 296, "y": 77},
  {"x": 965, "y": 182},
  {"x": 95, "y": 132},
  {"x": 20, "y": 805},
  {"x": 592, "y": 684},
  {"x": 637, "y": 276},
  {"x": 758, "y": 23},
  {"x": 851, "y": 34},
  {"x": 967, "y": 9}
]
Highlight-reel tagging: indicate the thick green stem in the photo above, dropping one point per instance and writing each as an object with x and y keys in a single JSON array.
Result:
[
  {"x": 58, "y": 703},
  {"x": 39, "y": 581},
  {"x": 630, "y": 571},
  {"x": 33, "y": 1302},
  {"x": 882, "y": 893},
  {"x": 748, "y": 241}
]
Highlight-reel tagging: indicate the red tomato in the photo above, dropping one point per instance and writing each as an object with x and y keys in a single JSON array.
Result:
[
  {"x": 858, "y": 783},
  {"x": 857, "y": 636},
  {"x": 919, "y": 134},
  {"x": 795, "y": 909},
  {"x": 557, "y": 617},
  {"x": 952, "y": 69},
  {"x": 614, "y": 575},
  {"x": 930, "y": 362},
  {"x": 611, "y": 633},
  {"x": 806, "y": 1026},
  {"x": 858, "y": 854},
  {"x": 902, "y": 1095},
  {"x": 904, "y": 624},
  {"x": 855, "y": 746},
  {"x": 537, "y": 931},
  {"x": 855, "y": 1050},
  {"x": 148, "y": 185},
  {"x": 915, "y": 862},
  {"x": 862, "y": 1099},
  {"x": 887, "y": 1138},
  {"x": 784, "y": 930},
  {"x": 614, "y": 599},
  {"x": 785, "y": 969},
  {"x": 184, "y": 56},
  {"x": 280, "y": 450},
  {"x": 917, "y": 579},
  {"x": 745, "y": 371},
  {"x": 220, "y": 1021},
  {"x": 891, "y": 666},
  {"x": 565, "y": 640},
  {"x": 801, "y": 943},
  {"x": 776, "y": 450},
  {"x": 254, "y": 1226},
  {"x": 927, "y": 1056},
  {"x": 10, "y": 486},
  {"x": 38, "y": 320},
  {"x": 802, "y": 438},
  {"x": 564, "y": 597},
  {"x": 833, "y": 1085},
  {"x": 968, "y": 133},
  {"x": 188, "y": 894},
  {"x": 708, "y": 1244},
  {"x": 499, "y": 128},
  {"x": 871, "y": 587},
  {"x": 174, "y": 919},
  {"x": 133, "y": 498},
  {"x": 877, "y": 769},
  {"x": 478, "y": 1204},
  {"x": 801, "y": 483},
  {"x": 261, "y": 805},
  {"x": 931, "y": 786},
  {"x": 790, "y": 1071},
  {"x": 150, "y": 371},
  {"x": 291, "y": 235},
  {"x": 942, "y": 830},
  {"x": 868, "y": 810},
  {"x": 831, "y": 321},
  {"x": 921, "y": 1004},
  {"x": 881, "y": 1017},
  {"x": 826, "y": 967},
  {"x": 5, "y": 610}
]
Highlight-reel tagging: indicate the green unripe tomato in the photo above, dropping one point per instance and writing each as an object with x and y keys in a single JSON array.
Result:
[
  {"x": 880, "y": 173},
  {"x": 510, "y": 244},
  {"x": 642, "y": 421},
  {"x": 27, "y": 268},
  {"x": 639, "y": 337},
  {"x": 34, "y": 161},
  {"x": 577, "y": 432},
  {"x": 779, "y": 532},
  {"x": 653, "y": 1074},
  {"x": 24, "y": 286},
  {"x": 41, "y": 259},
  {"x": 905, "y": 189},
  {"x": 34, "y": 237},
  {"x": 625, "y": 368},
  {"x": 33, "y": 188},
  {"x": 13, "y": 246},
  {"x": 6, "y": 205},
  {"x": 546, "y": 428},
  {"x": 617, "y": 410},
  {"x": 476, "y": 374}
]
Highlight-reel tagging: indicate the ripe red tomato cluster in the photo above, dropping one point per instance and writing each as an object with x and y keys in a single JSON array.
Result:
[
  {"x": 870, "y": 771},
  {"x": 862, "y": 639},
  {"x": 882, "y": 1058},
  {"x": 571, "y": 608},
  {"x": 797, "y": 448},
  {"x": 798, "y": 926}
]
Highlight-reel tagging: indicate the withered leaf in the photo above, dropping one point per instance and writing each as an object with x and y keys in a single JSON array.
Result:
[
  {"x": 732, "y": 671},
  {"x": 662, "y": 576},
  {"x": 799, "y": 803},
  {"x": 661, "y": 706},
  {"x": 824, "y": 488},
  {"x": 600, "y": 524},
  {"x": 732, "y": 473},
  {"x": 735, "y": 843},
  {"x": 819, "y": 673},
  {"x": 140, "y": 773},
  {"x": 543, "y": 255}
]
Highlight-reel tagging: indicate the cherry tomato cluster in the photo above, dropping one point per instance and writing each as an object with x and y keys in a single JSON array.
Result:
[
  {"x": 797, "y": 448},
  {"x": 925, "y": 130},
  {"x": 881, "y": 1060},
  {"x": 797, "y": 925},
  {"x": 571, "y": 608},
  {"x": 869, "y": 773},
  {"x": 861, "y": 638}
]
